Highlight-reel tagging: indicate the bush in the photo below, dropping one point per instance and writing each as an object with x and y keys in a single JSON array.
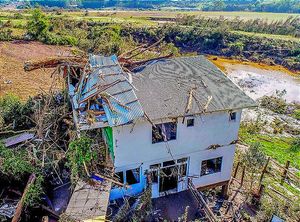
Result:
[
  {"x": 14, "y": 113},
  {"x": 54, "y": 39},
  {"x": 295, "y": 147},
  {"x": 78, "y": 155},
  {"x": 296, "y": 114},
  {"x": 14, "y": 163},
  {"x": 34, "y": 193},
  {"x": 274, "y": 103},
  {"x": 6, "y": 35},
  {"x": 38, "y": 25}
]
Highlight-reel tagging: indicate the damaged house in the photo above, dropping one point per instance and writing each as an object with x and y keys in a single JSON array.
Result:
[{"x": 169, "y": 122}]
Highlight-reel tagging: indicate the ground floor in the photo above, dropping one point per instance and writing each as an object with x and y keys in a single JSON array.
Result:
[{"x": 168, "y": 176}]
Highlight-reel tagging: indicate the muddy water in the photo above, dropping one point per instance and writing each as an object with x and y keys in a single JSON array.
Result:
[{"x": 257, "y": 82}]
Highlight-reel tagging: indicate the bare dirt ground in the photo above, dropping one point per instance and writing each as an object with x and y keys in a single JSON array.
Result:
[{"x": 13, "y": 78}]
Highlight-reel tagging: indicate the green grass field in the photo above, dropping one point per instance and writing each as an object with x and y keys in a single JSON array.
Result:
[
  {"x": 144, "y": 17},
  {"x": 275, "y": 147}
]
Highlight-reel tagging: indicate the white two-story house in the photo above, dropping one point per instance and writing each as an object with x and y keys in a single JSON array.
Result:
[{"x": 170, "y": 120}]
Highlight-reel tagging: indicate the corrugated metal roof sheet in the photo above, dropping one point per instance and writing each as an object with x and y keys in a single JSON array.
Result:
[{"x": 108, "y": 80}]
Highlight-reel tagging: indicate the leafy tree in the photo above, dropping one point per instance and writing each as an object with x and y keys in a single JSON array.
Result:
[
  {"x": 254, "y": 159},
  {"x": 38, "y": 25}
]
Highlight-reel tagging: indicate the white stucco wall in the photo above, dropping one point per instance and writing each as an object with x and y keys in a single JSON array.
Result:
[{"x": 134, "y": 148}]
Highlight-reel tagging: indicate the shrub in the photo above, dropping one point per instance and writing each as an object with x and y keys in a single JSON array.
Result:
[
  {"x": 295, "y": 146},
  {"x": 6, "y": 35},
  {"x": 78, "y": 155},
  {"x": 274, "y": 103},
  {"x": 38, "y": 25},
  {"x": 54, "y": 39},
  {"x": 34, "y": 193},
  {"x": 15, "y": 163},
  {"x": 13, "y": 112},
  {"x": 296, "y": 114}
]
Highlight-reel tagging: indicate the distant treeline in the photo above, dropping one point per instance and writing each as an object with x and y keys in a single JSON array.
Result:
[
  {"x": 287, "y": 6},
  {"x": 188, "y": 34},
  {"x": 290, "y": 26}
]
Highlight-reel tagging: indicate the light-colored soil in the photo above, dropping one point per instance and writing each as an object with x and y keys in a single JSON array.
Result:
[{"x": 13, "y": 78}]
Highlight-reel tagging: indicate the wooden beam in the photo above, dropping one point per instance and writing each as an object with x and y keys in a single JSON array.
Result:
[{"x": 20, "y": 205}]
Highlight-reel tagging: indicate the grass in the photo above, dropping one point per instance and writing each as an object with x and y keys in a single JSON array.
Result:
[{"x": 273, "y": 146}]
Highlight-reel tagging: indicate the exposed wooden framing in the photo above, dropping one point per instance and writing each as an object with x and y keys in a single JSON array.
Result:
[
  {"x": 211, "y": 186},
  {"x": 133, "y": 101},
  {"x": 199, "y": 197},
  {"x": 121, "y": 92},
  {"x": 137, "y": 63},
  {"x": 19, "y": 209},
  {"x": 149, "y": 120},
  {"x": 101, "y": 89},
  {"x": 189, "y": 104},
  {"x": 112, "y": 180},
  {"x": 131, "y": 51},
  {"x": 144, "y": 50},
  {"x": 53, "y": 62},
  {"x": 207, "y": 103}
]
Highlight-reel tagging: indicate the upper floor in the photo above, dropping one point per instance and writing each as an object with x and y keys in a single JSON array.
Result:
[{"x": 143, "y": 142}]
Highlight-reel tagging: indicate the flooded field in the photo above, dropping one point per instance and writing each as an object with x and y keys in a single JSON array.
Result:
[{"x": 257, "y": 81}]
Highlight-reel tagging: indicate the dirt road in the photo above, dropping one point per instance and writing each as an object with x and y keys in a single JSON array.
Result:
[{"x": 13, "y": 79}]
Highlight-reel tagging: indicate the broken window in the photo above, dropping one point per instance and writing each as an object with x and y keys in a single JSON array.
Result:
[
  {"x": 232, "y": 116},
  {"x": 182, "y": 160},
  {"x": 120, "y": 176},
  {"x": 168, "y": 163},
  {"x": 133, "y": 176},
  {"x": 182, "y": 163},
  {"x": 189, "y": 122},
  {"x": 164, "y": 132},
  {"x": 154, "y": 172},
  {"x": 211, "y": 166}
]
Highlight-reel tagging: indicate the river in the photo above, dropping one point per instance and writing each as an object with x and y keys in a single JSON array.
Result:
[{"x": 259, "y": 80}]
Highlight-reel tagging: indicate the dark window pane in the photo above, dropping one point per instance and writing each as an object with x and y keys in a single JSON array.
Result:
[
  {"x": 120, "y": 176},
  {"x": 182, "y": 160},
  {"x": 165, "y": 131},
  {"x": 133, "y": 176},
  {"x": 168, "y": 163},
  {"x": 170, "y": 129},
  {"x": 182, "y": 170},
  {"x": 232, "y": 116},
  {"x": 154, "y": 176},
  {"x": 155, "y": 166},
  {"x": 211, "y": 166},
  {"x": 190, "y": 122},
  {"x": 157, "y": 133}
]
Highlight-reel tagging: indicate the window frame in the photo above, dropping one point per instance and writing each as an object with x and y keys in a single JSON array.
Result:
[
  {"x": 190, "y": 124},
  {"x": 164, "y": 129},
  {"x": 231, "y": 115},
  {"x": 139, "y": 176},
  {"x": 203, "y": 172}
]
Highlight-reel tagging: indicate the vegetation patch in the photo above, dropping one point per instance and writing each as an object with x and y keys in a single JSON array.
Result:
[{"x": 276, "y": 147}]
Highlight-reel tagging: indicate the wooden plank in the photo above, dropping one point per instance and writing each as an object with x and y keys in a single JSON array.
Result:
[{"x": 19, "y": 209}]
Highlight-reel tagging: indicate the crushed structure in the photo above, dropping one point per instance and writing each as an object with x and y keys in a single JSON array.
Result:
[{"x": 169, "y": 123}]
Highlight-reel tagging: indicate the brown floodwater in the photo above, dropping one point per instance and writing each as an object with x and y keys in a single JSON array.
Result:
[{"x": 258, "y": 81}]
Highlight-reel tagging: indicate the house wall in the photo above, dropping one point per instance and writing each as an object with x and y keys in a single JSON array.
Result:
[{"x": 133, "y": 145}]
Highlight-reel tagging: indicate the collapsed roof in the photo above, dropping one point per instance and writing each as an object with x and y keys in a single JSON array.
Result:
[
  {"x": 186, "y": 86},
  {"x": 103, "y": 95}
]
